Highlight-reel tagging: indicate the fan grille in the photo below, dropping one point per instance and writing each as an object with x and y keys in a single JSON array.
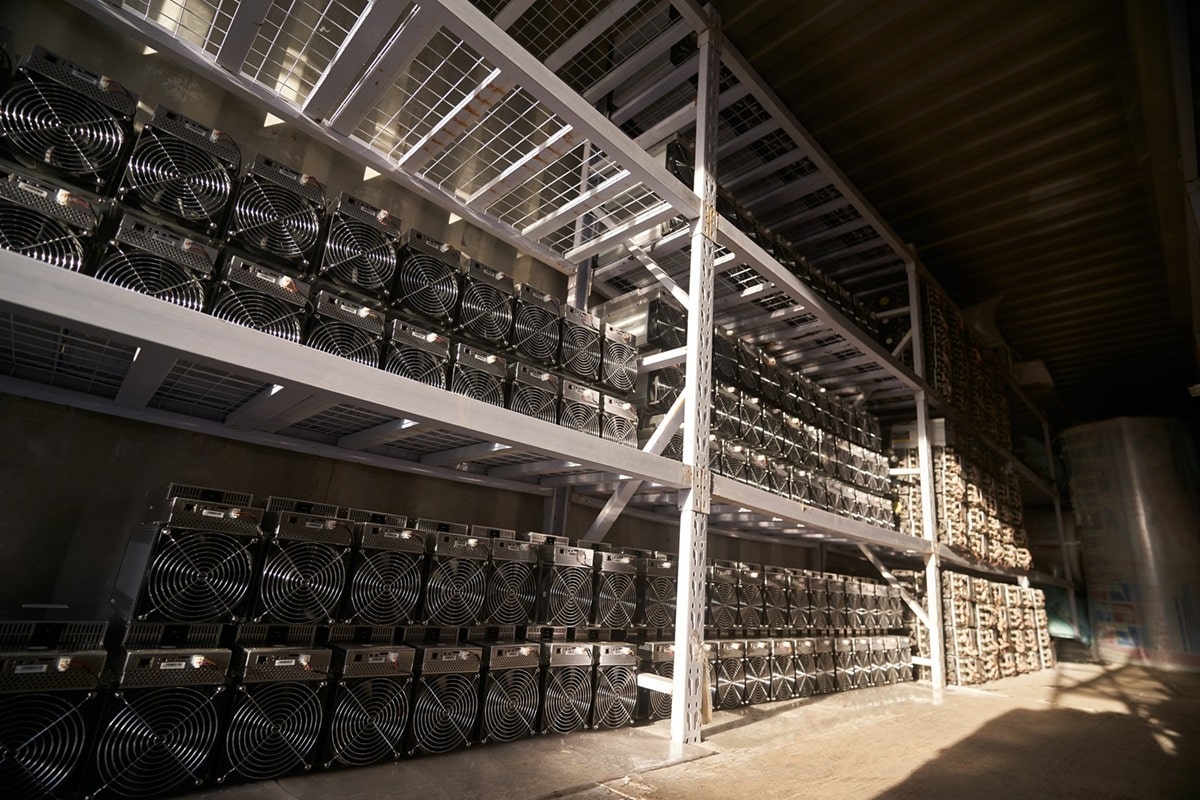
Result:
[
  {"x": 455, "y": 591},
  {"x": 157, "y": 277},
  {"x": 33, "y": 234},
  {"x": 616, "y": 599},
  {"x": 758, "y": 679},
  {"x": 345, "y": 341},
  {"x": 259, "y": 311},
  {"x": 568, "y": 698},
  {"x": 535, "y": 332},
  {"x": 660, "y": 703},
  {"x": 722, "y": 604},
  {"x": 511, "y": 593},
  {"x": 619, "y": 429},
  {"x": 580, "y": 350},
  {"x": 750, "y": 605},
  {"x": 486, "y": 312},
  {"x": 444, "y": 712},
  {"x": 580, "y": 417},
  {"x": 51, "y": 124},
  {"x": 510, "y": 704},
  {"x": 368, "y": 721},
  {"x": 359, "y": 254},
  {"x": 661, "y": 592},
  {"x": 302, "y": 582},
  {"x": 42, "y": 738},
  {"x": 619, "y": 368},
  {"x": 417, "y": 365},
  {"x": 275, "y": 220},
  {"x": 776, "y": 605},
  {"x": 616, "y": 696},
  {"x": 534, "y": 401},
  {"x": 478, "y": 385},
  {"x": 157, "y": 741},
  {"x": 428, "y": 285},
  {"x": 273, "y": 729},
  {"x": 569, "y": 599},
  {"x": 199, "y": 577},
  {"x": 731, "y": 685},
  {"x": 177, "y": 178},
  {"x": 783, "y": 677},
  {"x": 385, "y": 588}
]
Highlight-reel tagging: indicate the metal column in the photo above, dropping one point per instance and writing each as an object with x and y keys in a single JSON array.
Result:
[
  {"x": 933, "y": 567},
  {"x": 689, "y": 678},
  {"x": 1064, "y": 546}
]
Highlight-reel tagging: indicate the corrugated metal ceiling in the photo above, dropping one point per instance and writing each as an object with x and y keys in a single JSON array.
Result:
[{"x": 1010, "y": 142}]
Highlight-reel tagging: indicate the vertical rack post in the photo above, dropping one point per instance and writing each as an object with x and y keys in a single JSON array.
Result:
[
  {"x": 933, "y": 567},
  {"x": 689, "y": 677},
  {"x": 1064, "y": 546}
]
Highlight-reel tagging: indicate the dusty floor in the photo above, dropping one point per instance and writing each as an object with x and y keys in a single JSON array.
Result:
[{"x": 1081, "y": 731}]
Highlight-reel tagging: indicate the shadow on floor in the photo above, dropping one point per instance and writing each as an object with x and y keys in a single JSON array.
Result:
[{"x": 1126, "y": 733}]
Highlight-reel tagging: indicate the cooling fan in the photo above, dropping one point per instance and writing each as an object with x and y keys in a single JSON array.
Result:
[
  {"x": 427, "y": 278},
  {"x": 370, "y": 709},
  {"x": 511, "y": 692},
  {"x": 818, "y": 593},
  {"x": 45, "y": 222},
  {"x": 157, "y": 741},
  {"x": 259, "y": 298},
  {"x": 769, "y": 382},
  {"x": 568, "y": 690},
  {"x": 445, "y": 700},
  {"x": 306, "y": 565},
  {"x": 566, "y": 586},
  {"x": 386, "y": 579},
  {"x": 783, "y": 669},
  {"x": 360, "y": 247},
  {"x": 416, "y": 354},
  {"x": 799, "y": 602},
  {"x": 616, "y": 686},
  {"x": 666, "y": 325},
  {"x": 779, "y": 479},
  {"x": 806, "y": 668},
  {"x": 45, "y": 719},
  {"x": 485, "y": 305},
  {"x": 194, "y": 566},
  {"x": 730, "y": 459},
  {"x": 658, "y": 658},
  {"x": 278, "y": 212},
  {"x": 837, "y": 603},
  {"x": 616, "y": 590},
  {"x": 478, "y": 375},
  {"x": 511, "y": 583},
  {"x": 775, "y": 598},
  {"x": 182, "y": 169},
  {"x": 659, "y": 588},
  {"x": 758, "y": 672},
  {"x": 659, "y": 389},
  {"x": 154, "y": 261},
  {"x": 730, "y": 670},
  {"x": 533, "y": 392},
  {"x": 580, "y": 349},
  {"x": 845, "y": 673},
  {"x": 750, "y": 595},
  {"x": 580, "y": 408},
  {"x": 722, "y": 597},
  {"x": 727, "y": 413},
  {"x": 724, "y": 359},
  {"x": 58, "y": 115},
  {"x": 457, "y": 584},
  {"x": 536, "y": 330},
  {"x": 825, "y": 681},
  {"x": 273, "y": 730},
  {"x": 620, "y": 422},
  {"x": 618, "y": 359},
  {"x": 347, "y": 327}
]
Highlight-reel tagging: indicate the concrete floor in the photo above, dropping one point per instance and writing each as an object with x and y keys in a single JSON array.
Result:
[{"x": 1082, "y": 731}]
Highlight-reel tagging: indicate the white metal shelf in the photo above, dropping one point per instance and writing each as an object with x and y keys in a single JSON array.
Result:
[{"x": 89, "y": 339}]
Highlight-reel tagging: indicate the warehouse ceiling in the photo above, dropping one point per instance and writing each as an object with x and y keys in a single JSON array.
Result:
[{"x": 1030, "y": 153}]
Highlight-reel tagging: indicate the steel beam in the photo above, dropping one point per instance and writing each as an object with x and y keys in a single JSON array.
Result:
[
  {"x": 467, "y": 112},
  {"x": 470, "y": 452},
  {"x": 689, "y": 671},
  {"x": 561, "y": 142},
  {"x": 581, "y": 204},
  {"x": 247, "y": 20},
  {"x": 362, "y": 42},
  {"x": 384, "y": 433},
  {"x": 590, "y": 32},
  {"x": 149, "y": 369}
]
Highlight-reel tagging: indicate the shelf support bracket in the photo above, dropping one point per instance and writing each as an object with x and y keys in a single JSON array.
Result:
[
  {"x": 621, "y": 497},
  {"x": 690, "y": 681},
  {"x": 149, "y": 369},
  {"x": 909, "y": 600}
]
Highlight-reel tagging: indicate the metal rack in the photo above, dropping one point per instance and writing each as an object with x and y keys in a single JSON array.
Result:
[{"x": 462, "y": 104}]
